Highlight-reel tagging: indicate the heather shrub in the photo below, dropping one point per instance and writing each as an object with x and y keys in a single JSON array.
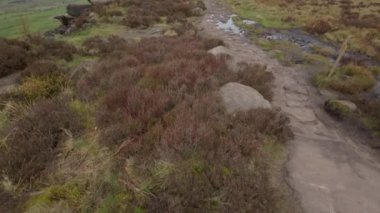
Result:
[
  {"x": 210, "y": 43},
  {"x": 319, "y": 27},
  {"x": 172, "y": 137},
  {"x": 258, "y": 77},
  {"x": 13, "y": 56},
  {"x": 146, "y": 13},
  {"x": 40, "y": 68},
  {"x": 134, "y": 108},
  {"x": 8, "y": 201},
  {"x": 100, "y": 45},
  {"x": 152, "y": 63},
  {"x": 45, "y": 47},
  {"x": 33, "y": 137},
  {"x": 203, "y": 158},
  {"x": 17, "y": 55}
]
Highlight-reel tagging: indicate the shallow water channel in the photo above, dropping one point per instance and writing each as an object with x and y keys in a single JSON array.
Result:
[{"x": 295, "y": 36}]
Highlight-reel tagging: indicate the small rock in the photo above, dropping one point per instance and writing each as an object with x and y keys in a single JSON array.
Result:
[
  {"x": 238, "y": 97},
  {"x": 172, "y": 33},
  {"x": 219, "y": 50}
]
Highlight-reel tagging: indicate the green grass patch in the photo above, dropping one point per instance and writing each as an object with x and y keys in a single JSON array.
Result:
[
  {"x": 103, "y": 29},
  {"x": 37, "y": 16},
  {"x": 36, "y": 22}
]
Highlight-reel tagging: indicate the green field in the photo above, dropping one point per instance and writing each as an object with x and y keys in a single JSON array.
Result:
[{"x": 38, "y": 15}]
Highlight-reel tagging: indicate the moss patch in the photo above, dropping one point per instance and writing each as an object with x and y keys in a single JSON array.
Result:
[{"x": 337, "y": 109}]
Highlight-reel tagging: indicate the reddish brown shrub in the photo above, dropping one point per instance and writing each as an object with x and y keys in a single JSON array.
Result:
[
  {"x": 41, "y": 68},
  {"x": 101, "y": 45},
  {"x": 258, "y": 77},
  {"x": 319, "y": 27},
  {"x": 156, "y": 107},
  {"x": 134, "y": 109},
  {"x": 212, "y": 153},
  {"x": 146, "y": 12},
  {"x": 212, "y": 42},
  {"x": 45, "y": 47},
  {"x": 13, "y": 56},
  {"x": 33, "y": 138},
  {"x": 8, "y": 202}
]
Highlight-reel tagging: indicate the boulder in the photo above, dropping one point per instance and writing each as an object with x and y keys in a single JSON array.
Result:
[
  {"x": 238, "y": 97},
  {"x": 219, "y": 50}
]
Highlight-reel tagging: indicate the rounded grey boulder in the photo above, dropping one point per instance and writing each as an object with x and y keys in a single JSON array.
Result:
[{"x": 238, "y": 97}]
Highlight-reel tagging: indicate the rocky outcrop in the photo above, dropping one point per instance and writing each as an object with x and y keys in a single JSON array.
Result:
[
  {"x": 76, "y": 17},
  {"x": 238, "y": 97},
  {"x": 76, "y": 10}
]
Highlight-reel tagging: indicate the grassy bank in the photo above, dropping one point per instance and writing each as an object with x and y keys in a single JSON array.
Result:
[{"x": 36, "y": 15}]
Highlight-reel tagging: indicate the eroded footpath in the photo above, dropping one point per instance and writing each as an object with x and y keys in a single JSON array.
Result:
[{"x": 328, "y": 170}]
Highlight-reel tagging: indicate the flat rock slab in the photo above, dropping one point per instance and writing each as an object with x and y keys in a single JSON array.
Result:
[
  {"x": 301, "y": 114},
  {"x": 238, "y": 97},
  {"x": 296, "y": 97}
]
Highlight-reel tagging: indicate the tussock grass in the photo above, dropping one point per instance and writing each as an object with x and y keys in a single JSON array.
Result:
[
  {"x": 349, "y": 79},
  {"x": 33, "y": 137}
]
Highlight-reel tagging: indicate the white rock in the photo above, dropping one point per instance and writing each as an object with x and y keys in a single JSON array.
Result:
[
  {"x": 219, "y": 50},
  {"x": 171, "y": 33},
  {"x": 237, "y": 97}
]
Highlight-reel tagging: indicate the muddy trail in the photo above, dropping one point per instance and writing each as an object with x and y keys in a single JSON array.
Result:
[{"x": 328, "y": 168}]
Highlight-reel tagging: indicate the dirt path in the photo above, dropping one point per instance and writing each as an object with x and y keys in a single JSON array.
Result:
[{"x": 328, "y": 171}]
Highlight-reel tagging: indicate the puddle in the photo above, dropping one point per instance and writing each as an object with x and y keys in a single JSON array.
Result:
[{"x": 229, "y": 26}]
